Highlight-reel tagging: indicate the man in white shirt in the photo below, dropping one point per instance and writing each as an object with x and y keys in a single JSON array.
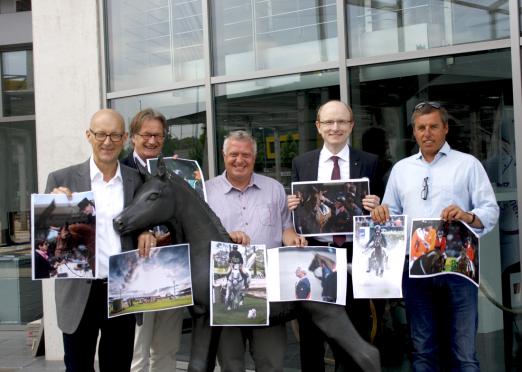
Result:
[{"x": 81, "y": 304}]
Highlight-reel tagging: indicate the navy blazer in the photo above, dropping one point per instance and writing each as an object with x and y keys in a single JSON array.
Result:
[{"x": 305, "y": 167}]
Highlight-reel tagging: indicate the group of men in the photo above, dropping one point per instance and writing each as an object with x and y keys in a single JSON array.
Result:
[{"x": 436, "y": 182}]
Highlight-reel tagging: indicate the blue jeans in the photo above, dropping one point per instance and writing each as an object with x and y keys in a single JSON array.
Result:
[{"x": 443, "y": 318}]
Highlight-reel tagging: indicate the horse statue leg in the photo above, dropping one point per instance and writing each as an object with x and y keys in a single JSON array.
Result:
[
  {"x": 333, "y": 321},
  {"x": 203, "y": 348}
]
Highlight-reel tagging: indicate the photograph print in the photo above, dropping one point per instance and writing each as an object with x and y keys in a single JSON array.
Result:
[
  {"x": 328, "y": 208},
  {"x": 307, "y": 274},
  {"x": 63, "y": 236},
  {"x": 238, "y": 285},
  {"x": 159, "y": 282},
  {"x": 187, "y": 169},
  {"x": 439, "y": 247},
  {"x": 378, "y": 257}
]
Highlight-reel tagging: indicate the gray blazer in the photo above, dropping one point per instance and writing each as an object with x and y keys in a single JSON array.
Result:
[{"x": 72, "y": 294}]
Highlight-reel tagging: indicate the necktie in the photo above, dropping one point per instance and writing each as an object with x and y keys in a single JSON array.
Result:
[
  {"x": 336, "y": 175},
  {"x": 336, "y": 171}
]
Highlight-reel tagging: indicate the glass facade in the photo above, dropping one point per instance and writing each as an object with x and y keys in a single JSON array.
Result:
[
  {"x": 154, "y": 42},
  {"x": 273, "y": 62},
  {"x": 266, "y": 34},
  {"x": 17, "y": 145},
  {"x": 279, "y": 112},
  {"x": 185, "y": 112},
  {"x": 475, "y": 88},
  {"x": 14, "y": 6},
  {"x": 17, "y": 83},
  {"x": 393, "y": 26}
]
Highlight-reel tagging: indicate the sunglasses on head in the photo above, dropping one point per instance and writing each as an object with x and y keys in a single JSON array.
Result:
[{"x": 435, "y": 105}]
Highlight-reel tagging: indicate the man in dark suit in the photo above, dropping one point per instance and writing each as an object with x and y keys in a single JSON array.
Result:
[
  {"x": 42, "y": 266},
  {"x": 81, "y": 304},
  {"x": 334, "y": 161},
  {"x": 158, "y": 335},
  {"x": 147, "y": 133}
]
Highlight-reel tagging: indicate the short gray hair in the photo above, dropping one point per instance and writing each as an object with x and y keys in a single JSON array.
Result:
[{"x": 239, "y": 135}]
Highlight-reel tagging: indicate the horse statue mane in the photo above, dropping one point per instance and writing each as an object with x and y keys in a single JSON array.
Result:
[{"x": 167, "y": 199}]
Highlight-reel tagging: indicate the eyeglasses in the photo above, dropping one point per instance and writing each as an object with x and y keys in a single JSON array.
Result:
[
  {"x": 341, "y": 123},
  {"x": 425, "y": 189},
  {"x": 434, "y": 104},
  {"x": 102, "y": 136},
  {"x": 148, "y": 136}
]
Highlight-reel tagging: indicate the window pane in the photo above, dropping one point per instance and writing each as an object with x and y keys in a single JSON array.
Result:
[
  {"x": 392, "y": 26},
  {"x": 477, "y": 91},
  {"x": 13, "y": 6},
  {"x": 18, "y": 151},
  {"x": 154, "y": 42},
  {"x": 17, "y": 83},
  {"x": 265, "y": 34},
  {"x": 185, "y": 113},
  {"x": 279, "y": 112}
]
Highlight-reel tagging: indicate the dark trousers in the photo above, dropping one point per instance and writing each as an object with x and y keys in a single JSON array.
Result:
[
  {"x": 116, "y": 341},
  {"x": 311, "y": 339}
]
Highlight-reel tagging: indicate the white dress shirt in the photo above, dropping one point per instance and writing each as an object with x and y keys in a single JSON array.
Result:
[
  {"x": 324, "y": 174},
  {"x": 108, "y": 199}
]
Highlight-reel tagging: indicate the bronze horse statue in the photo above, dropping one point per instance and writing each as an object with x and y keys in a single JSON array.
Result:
[{"x": 167, "y": 199}]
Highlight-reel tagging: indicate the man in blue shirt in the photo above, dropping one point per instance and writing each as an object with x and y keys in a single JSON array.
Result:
[{"x": 439, "y": 182}]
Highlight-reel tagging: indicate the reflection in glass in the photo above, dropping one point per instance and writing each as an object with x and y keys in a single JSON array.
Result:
[
  {"x": 185, "y": 113},
  {"x": 279, "y": 112},
  {"x": 17, "y": 83},
  {"x": 476, "y": 89},
  {"x": 18, "y": 154},
  {"x": 154, "y": 42},
  {"x": 12, "y": 6},
  {"x": 263, "y": 34},
  {"x": 392, "y": 26}
]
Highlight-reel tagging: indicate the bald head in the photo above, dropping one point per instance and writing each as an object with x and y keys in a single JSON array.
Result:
[{"x": 106, "y": 115}]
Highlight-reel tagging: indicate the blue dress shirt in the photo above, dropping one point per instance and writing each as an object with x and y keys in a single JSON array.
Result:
[{"x": 453, "y": 177}]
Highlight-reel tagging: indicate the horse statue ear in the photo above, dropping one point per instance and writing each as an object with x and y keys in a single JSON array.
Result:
[
  {"x": 162, "y": 168},
  {"x": 143, "y": 171}
]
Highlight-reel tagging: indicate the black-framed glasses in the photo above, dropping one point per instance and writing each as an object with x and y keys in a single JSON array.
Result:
[
  {"x": 102, "y": 136},
  {"x": 434, "y": 104},
  {"x": 148, "y": 136},
  {"x": 425, "y": 189}
]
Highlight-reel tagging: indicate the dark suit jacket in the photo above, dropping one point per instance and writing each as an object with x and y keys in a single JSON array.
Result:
[
  {"x": 129, "y": 160},
  {"x": 42, "y": 267},
  {"x": 72, "y": 294},
  {"x": 305, "y": 167}
]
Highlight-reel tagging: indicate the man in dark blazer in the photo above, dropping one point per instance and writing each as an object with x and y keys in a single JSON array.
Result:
[
  {"x": 81, "y": 304},
  {"x": 334, "y": 124},
  {"x": 158, "y": 333}
]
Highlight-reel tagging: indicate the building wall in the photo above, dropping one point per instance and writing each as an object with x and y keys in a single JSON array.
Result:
[{"x": 68, "y": 90}]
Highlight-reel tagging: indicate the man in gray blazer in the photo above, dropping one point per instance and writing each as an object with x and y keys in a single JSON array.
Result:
[{"x": 81, "y": 304}]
